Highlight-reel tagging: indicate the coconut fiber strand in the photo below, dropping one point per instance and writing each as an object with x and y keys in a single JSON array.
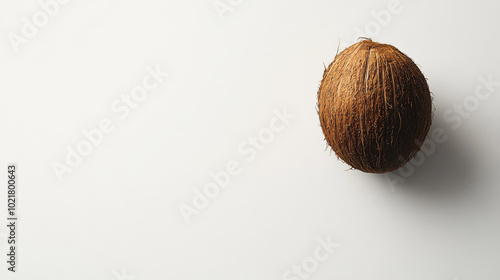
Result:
[{"x": 374, "y": 106}]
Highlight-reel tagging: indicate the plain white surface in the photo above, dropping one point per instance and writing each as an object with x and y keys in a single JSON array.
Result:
[{"x": 116, "y": 216}]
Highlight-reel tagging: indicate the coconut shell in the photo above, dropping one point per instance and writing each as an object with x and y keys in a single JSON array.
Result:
[{"x": 374, "y": 106}]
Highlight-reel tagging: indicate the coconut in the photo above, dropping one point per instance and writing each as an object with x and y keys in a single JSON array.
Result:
[{"x": 374, "y": 106}]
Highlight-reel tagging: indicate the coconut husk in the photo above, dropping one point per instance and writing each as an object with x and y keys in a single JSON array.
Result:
[{"x": 375, "y": 107}]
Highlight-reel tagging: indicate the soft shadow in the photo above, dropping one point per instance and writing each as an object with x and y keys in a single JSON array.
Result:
[{"x": 449, "y": 171}]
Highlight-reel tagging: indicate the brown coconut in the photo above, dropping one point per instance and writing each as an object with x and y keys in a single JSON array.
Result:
[{"x": 375, "y": 107}]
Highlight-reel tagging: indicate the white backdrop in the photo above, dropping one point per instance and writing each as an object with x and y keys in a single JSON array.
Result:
[{"x": 219, "y": 169}]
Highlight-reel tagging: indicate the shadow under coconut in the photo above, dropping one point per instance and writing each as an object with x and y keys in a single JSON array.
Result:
[{"x": 447, "y": 171}]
